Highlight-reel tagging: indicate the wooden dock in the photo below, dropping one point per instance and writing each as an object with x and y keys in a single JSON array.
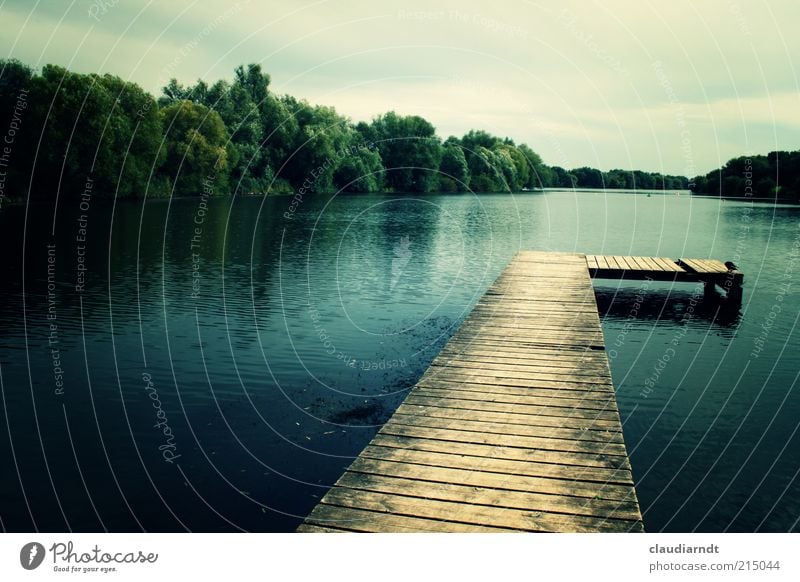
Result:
[
  {"x": 513, "y": 427},
  {"x": 711, "y": 272}
]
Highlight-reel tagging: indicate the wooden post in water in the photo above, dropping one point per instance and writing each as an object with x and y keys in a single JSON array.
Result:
[{"x": 733, "y": 283}]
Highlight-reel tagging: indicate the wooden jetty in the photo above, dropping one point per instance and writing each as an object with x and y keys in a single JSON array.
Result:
[
  {"x": 514, "y": 426},
  {"x": 711, "y": 272}
]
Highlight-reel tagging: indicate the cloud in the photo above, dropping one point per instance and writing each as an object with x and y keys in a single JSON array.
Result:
[{"x": 612, "y": 84}]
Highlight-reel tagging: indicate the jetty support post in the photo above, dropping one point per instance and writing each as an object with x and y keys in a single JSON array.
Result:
[{"x": 733, "y": 283}]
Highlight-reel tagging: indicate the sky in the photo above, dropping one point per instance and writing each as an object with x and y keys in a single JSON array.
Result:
[{"x": 678, "y": 87}]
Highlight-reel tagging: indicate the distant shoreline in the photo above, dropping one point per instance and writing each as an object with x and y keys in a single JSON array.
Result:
[{"x": 688, "y": 193}]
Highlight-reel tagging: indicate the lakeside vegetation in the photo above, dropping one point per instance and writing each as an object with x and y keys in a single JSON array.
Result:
[
  {"x": 240, "y": 137},
  {"x": 775, "y": 176}
]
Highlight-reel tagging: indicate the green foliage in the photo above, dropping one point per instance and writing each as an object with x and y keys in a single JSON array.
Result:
[
  {"x": 72, "y": 111},
  {"x": 410, "y": 151},
  {"x": 319, "y": 143},
  {"x": 499, "y": 165},
  {"x": 92, "y": 126},
  {"x": 561, "y": 178},
  {"x": 586, "y": 177},
  {"x": 589, "y": 177},
  {"x": 775, "y": 176},
  {"x": 197, "y": 156},
  {"x": 360, "y": 171},
  {"x": 131, "y": 149},
  {"x": 454, "y": 171},
  {"x": 539, "y": 174},
  {"x": 237, "y": 136},
  {"x": 16, "y": 113},
  {"x": 485, "y": 175}
]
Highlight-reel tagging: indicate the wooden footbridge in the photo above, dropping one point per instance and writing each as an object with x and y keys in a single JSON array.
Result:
[{"x": 514, "y": 426}]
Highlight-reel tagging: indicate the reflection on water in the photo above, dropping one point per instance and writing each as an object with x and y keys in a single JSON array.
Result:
[
  {"x": 276, "y": 347},
  {"x": 649, "y": 302}
]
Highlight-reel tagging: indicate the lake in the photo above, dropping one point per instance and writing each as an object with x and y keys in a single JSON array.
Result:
[{"x": 214, "y": 365}]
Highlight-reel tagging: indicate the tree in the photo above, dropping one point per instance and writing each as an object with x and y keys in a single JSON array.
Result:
[
  {"x": 539, "y": 175},
  {"x": 776, "y": 175},
  {"x": 197, "y": 156},
  {"x": 250, "y": 172},
  {"x": 588, "y": 177},
  {"x": 360, "y": 171},
  {"x": 93, "y": 127},
  {"x": 131, "y": 152},
  {"x": 505, "y": 168},
  {"x": 562, "y": 178},
  {"x": 410, "y": 151},
  {"x": 454, "y": 172},
  {"x": 243, "y": 138},
  {"x": 17, "y": 104},
  {"x": 254, "y": 82},
  {"x": 497, "y": 165},
  {"x": 173, "y": 92}
]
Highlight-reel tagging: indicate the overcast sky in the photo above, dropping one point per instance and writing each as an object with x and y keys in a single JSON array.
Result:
[{"x": 677, "y": 86}]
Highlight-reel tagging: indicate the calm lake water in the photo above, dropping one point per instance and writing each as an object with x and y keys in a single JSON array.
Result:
[{"x": 217, "y": 366}]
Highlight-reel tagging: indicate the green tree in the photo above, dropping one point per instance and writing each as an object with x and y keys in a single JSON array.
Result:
[
  {"x": 131, "y": 152},
  {"x": 588, "y": 177},
  {"x": 97, "y": 127},
  {"x": 18, "y": 100},
  {"x": 197, "y": 149},
  {"x": 454, "y": 172},
  {"x": 539, "y": 175},
  {"x": 410, "y": 151},
  {"x": 360, "y": 171},
  {"x": 497, "y": 165}
]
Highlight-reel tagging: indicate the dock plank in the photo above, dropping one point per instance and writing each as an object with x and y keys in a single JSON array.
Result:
[
  {"x": 481, "y": 478},
  {"x": 667, "y": 265},
  {"x": 491, "y": 497},
  {"x": 513, "y": 426},
  {"x": 475, "y": 514},
  {"x": 711, "y": 272},
  {"x": 695, "y": 265}
]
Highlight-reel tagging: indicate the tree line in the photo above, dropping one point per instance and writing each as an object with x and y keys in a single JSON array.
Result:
[
  {"x": 240, "y": 137},
  {"x": 775, "y": 176}
]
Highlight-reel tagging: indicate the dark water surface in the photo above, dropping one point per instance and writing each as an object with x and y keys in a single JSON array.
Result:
[{"x": 221, "y": 365}]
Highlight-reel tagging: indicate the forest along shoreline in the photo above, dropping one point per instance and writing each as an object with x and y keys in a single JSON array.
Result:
[{"x": 245, "y": 139}]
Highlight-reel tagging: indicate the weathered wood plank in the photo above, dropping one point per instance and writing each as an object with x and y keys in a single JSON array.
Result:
[
  {"x": 523, "y": 520},
  {"x": 511, "y": 418},
  {"x": 518, "y": 372},
  {"x": 479, "y": 478},
  {"x": 514, "y": 425},
  {"x": 308, "y": 528},
  {"x": 491, "y": 497},
  {"x": 651, "y": 264},
  {"x": 660, "y": 269},
  {"x": 714, "y": 266},
  {"x": 554, "y": 446},
  {"x": 694, "y": 265},
  {"x": 484, "y": 427},
  {"x": 502, "y": 452},
  {"x": 529, "y": 400},
  {"x": 582, "y": 392},
  {"x": 507, "y": 467},
  {"x": 360, "y": 520},
  {"x": 667, "y": 264},
  {"x": 498, "y": 356},
  {"x": 510, "y": 379},
  {"x": 560, "y": 411}
]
